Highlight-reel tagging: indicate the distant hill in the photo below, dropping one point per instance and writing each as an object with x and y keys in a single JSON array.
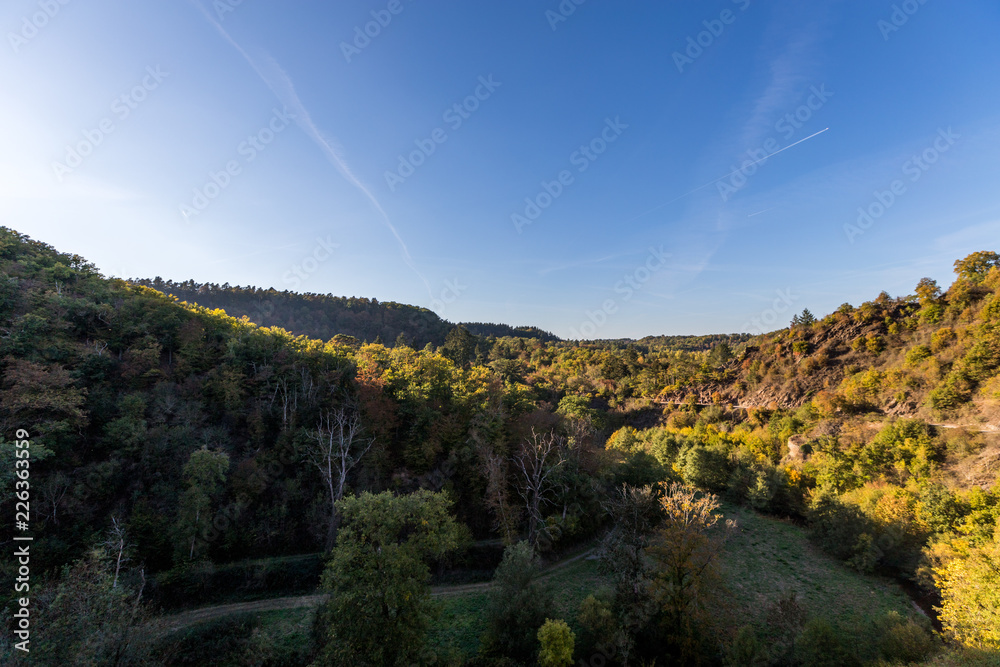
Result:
[
  {"x": 488, "y": 330},
  {"x": 323, "y": 316},
  {"x": 320, "y": 316}
]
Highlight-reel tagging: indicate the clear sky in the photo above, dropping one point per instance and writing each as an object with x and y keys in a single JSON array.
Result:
[{"x": 586, "y": 175}]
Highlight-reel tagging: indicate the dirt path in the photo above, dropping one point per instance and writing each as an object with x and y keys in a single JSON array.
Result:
[
  {"x": 174, "y": 622},
  {"x": 166, "y": 624},
  {"x": 974, "y": 428}
]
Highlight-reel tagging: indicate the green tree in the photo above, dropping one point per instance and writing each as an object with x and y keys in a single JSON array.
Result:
[
  {"x": 380, "y": 605},
  {"x": 518, "y": 605},
  {"x": 557, "y": 642},
  {"x": 819, "y": 645},
  {"x": 459, "y": 346},
  {"x": 204, "y": 475},
  {"x": 634, "y": 514},
  {"x": 88, "y": 618}
]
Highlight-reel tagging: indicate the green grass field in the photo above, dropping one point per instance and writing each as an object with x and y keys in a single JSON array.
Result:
[{"x": 766, "y": 558}]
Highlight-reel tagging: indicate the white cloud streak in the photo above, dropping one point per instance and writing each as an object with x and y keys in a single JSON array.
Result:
[{"x": 278, "y": 81}]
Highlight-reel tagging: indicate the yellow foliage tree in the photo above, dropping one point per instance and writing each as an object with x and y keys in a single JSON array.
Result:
[{"x": 970, "y": 597}]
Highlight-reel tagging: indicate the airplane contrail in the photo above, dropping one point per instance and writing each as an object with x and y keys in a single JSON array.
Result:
[
  {"x": 702, "y": 187},
  {"x": 278, "y": 81}
]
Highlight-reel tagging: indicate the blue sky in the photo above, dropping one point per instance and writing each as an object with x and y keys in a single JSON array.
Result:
[{"x": 623, "y": 123}]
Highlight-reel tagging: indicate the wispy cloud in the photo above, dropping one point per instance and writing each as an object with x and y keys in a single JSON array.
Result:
[{"x": 278, "y": 81}]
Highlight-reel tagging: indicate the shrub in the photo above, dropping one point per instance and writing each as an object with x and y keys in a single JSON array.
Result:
[
  {"x": 917, "y": 354},
  {"x": 746, "y": 649},
  {"x": 556, "y": 640},
  {"x": 942, "y": 338},
  {"x": 875, "y": 344},
  {"x": 820, "y": 645},
  {"x": 902, "y": 640},
  {"x": 706, "y": 467},
  {"x": 625, "y": 440}
]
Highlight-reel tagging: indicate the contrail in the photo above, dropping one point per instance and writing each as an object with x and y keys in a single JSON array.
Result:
[
  {"x": 278, "y": 81},
  {"x": 760, "y": 212},
  {"x": 702, "y": 187}
]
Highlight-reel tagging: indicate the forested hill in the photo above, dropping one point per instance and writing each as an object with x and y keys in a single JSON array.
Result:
[
  {"x": 323, "y": 316},
  {"x": 319, "y": 316},
  {"x": 934, "y": 354}
]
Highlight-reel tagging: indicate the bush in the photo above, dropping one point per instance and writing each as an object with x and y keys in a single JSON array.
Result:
[
  {"x": 942, "y": 338},
  {"x": 625, "y": 440},
  {"x": 917, "y": 354},
  {"x": 836, "y": 526},
  {"x": 746, "y": 649},
  {"x": 706, "y": 467},
  {"x": 820, "y": 645},
  {"x": 556, "y": 640},
  {"x": 903, "y": 640},
  {"x": 642, "y": 469}
]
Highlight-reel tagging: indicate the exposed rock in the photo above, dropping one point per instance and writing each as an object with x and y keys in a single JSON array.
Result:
[{"x": 795, "y": 444}]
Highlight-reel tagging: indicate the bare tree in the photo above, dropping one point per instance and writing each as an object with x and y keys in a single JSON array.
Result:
[
  {"x": 494, "y": 467},
  {"x": 539, "y": 457},
  {"x": 116, "y": 547},
  {"x": 336, "y": 449}
]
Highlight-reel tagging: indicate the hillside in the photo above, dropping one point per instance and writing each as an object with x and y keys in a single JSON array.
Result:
[
  {"x": 932, "y": 355},
  {"x": 323, "y": 316}
]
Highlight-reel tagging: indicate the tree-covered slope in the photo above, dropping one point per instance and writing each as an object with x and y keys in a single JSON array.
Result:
[{"x": 933, "y": 354}]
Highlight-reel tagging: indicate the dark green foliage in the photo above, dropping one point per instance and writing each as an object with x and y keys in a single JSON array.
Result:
[
  {"x": 380, "y": 607},
  {"x": 706, "y": 467},
  {"x": 321, "y": 316},
  {"x": 836, "y": 526},
  {"x": 235, "y": 641},
  {"x": 642, "y": 469},
  {"x": 203, "y": 583},
  {"x": 821, "y": 645},
  {"x": 517, "y": 607},
  {"x": 87, "y": 619}
]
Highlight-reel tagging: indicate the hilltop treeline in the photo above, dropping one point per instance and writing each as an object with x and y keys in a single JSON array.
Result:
[{"x": 320, "y": 316}]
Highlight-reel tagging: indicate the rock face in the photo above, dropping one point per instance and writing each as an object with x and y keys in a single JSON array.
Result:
[{"x": 795, "y": 444}]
